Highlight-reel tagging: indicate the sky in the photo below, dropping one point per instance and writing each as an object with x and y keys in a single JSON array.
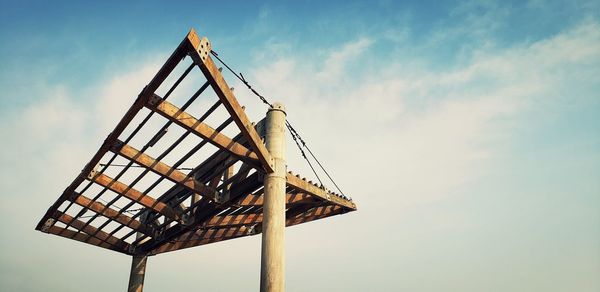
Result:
[{"x": 467, "y": 133}]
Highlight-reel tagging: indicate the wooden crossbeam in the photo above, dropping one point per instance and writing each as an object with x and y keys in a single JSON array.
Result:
[
  {"x": 200, "y": 53},
  {"x": 85, "y": 238},
  {"x": 108, "y": 212},
  {"x": 163, "y": 169},
  {"x": 90, "y": 230},
  {"x": 135, "y": 195},
  {"x": 204, "y": 131},
  {"x": 306, "y": 187}
]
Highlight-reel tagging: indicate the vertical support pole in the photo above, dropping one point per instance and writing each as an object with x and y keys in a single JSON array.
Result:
[
  {"x": 138, "y": 271},
  {"x": 138, "y": 268},
  {"x": 272, "y": 269}
]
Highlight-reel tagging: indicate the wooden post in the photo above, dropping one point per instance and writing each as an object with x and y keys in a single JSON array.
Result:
[
  {"x": 138, "y": 268},
  {"x": 272, "y": 269}
]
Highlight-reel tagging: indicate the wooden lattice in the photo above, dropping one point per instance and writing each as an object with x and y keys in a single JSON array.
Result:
[{"x": 135, "y": 196}]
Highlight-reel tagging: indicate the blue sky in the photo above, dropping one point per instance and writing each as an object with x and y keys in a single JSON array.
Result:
[{"x": 466, "y": 132}]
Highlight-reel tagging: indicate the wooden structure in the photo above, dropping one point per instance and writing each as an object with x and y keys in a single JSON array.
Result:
[{"x": 135, "y": 197}]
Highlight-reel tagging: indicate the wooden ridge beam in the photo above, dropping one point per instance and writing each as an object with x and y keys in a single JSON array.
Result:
[
  {"x": 135, "y": 195},
  {"x": 163, "y": 169},
  {"x": 200, "y": 52},
  {"x": 108, "y": 212},
  {"x": 304, "y": 186},
  {"x": 91, "y": 230},
  {"x": 204, "y": 131}
]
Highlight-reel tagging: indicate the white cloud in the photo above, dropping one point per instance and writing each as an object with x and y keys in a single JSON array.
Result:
[{"x": 401, "y": 135}]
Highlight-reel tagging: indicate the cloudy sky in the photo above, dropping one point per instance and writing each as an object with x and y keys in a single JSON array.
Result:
[{"x": 467, "y": 133}]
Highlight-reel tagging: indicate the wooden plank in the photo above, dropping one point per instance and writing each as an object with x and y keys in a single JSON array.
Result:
[
  {"x": 190, "y": 123},
  {"x": 200, "y": 53},
  {"x": 163, "y": 169},
  {"x": 304, "y": 186},
  {"x": 135, "y": 195},
  {"x": 106, "y": 211},
  {"x": 91, "y": 230}
]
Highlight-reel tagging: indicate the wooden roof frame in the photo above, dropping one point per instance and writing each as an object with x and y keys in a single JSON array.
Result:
[{"x": 223, "y": 204}]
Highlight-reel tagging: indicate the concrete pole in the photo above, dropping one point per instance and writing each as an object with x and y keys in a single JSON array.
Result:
[
  {"x": 138, "y": 268},
  {"x": 272, "y": 261},
  {"x": 138, "y": 271}
]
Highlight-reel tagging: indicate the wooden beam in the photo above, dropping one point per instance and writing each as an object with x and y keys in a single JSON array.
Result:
[
  {"x": 190, "y": 123},
  {"x": 200, "y": 53},
  {"x": 107, "y": 212},
  {"x": 91, "y": 230},
  {"x": 306, "y": 187},
  {"x": 163, "y": 169},
  {"x": 82, "y": 237},
  {"x": 135, "y": 195}
]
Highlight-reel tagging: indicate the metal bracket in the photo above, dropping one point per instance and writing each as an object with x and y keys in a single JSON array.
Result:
[
  {"x": 48, "y": 224},
  {"x": 204, "y": 48},
  {"x": 93, "y": 173},
  {"x": 154, "y": 100},
  {"x": 221, "y": 197}
]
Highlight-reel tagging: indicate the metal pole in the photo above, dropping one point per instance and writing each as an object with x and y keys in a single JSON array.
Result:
[
  {"x": 272, "y": 262},
  {"x": 138, "y": 268}
]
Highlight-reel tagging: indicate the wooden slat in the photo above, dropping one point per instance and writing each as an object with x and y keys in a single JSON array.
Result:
[
  {"x": 316, "y": 213},
  {"x": 290, "y": 199},
  {"x": 70, "y": 234},
  {"x": 190, "y": 123},
  {"x": 200, "y": 53},
  {"x": 163, "y": 169},
  {"x": 106, "y": 211},
  {"x": 202, "y": 237},
  {"x": 234, "y": 220},
  {"x": 135, "y": 195},
  {"x": 254, "y": 218},
  {"x": 304, "y": 186},
  {"x": 91, "y": 230}
]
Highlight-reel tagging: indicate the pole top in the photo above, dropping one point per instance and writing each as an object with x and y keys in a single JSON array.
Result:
[{"x": 278, "y": 106}]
